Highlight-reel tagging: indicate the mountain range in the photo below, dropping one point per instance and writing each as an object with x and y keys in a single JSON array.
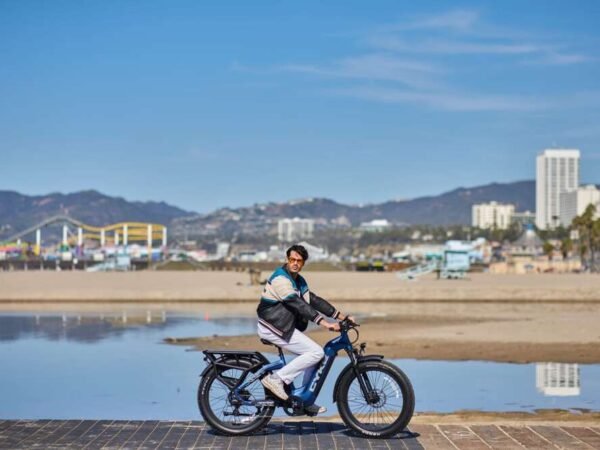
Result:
[{"x": 19, "y": 212}]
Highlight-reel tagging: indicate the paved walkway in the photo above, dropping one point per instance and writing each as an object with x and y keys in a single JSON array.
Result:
[{"x": 109, "y": 434}]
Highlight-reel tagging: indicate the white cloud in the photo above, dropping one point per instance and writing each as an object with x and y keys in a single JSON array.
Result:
[
  {"x": 552, "y": 58},
  {"x": 375, "y": 67},
  {"x": 457, "y": 20},
  {"x": 451, "y": 47},
  {"x": 408, "y": 68},
  {"x": 436, "y": 35},
  {"x": 452, "y": 100},
  {"x": 447, "y": 101}
]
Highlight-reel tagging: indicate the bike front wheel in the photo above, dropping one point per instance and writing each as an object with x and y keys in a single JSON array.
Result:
[{"x": 388, "y": 405}]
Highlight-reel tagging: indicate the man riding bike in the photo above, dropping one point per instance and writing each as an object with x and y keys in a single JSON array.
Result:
[{"x": 284, "y": 310}]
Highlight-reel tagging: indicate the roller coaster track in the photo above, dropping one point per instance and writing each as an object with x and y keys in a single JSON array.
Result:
[{"x": 135, "y": 230}]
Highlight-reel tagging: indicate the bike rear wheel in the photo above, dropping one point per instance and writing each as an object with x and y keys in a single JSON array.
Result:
[
  {"x": 390, "y": 406},
  {"x": 219, "y": 408}
]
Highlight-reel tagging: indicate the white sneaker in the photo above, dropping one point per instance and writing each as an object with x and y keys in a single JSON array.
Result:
[{"x": 275, "y": 384}]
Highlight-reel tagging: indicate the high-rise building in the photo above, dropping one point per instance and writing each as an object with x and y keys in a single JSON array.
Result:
[
  {"x": 557, "y": 171},
  {"x": 492, "y": 215},
  {"x": 575, "y": 202},
  {"x": 291, "y": 230}
]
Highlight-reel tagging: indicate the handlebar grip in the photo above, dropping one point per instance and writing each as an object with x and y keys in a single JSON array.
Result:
[{"x": 350, "y": 323}]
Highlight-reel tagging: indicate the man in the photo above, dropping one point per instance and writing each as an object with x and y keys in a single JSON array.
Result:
[{"x": 285, "y": 308}]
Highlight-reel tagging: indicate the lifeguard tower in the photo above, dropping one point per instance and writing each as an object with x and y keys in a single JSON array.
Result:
[
  {"x": 456, "y": 264},
  {"x": 452, "y": 263}
]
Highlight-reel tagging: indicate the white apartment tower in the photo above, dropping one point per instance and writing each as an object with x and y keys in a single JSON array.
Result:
[
  {"x": 575, "y": 202},
  {"x": 492, "y": 215},
  {"x": 557, "y": 172},
  {"x": 291, "y": 230}
]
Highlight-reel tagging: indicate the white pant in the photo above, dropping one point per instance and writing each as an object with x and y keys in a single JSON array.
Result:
[{"x": 308, "y": 351}]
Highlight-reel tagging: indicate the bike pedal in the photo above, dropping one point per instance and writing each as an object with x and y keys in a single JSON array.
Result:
[{"x": 313, "y": 410}]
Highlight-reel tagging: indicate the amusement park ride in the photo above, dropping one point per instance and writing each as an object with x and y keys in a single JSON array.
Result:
[{"x": 75, "y": 233}]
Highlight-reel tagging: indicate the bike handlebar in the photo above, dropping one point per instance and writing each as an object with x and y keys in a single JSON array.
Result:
[{"x": 347, "y": 324}]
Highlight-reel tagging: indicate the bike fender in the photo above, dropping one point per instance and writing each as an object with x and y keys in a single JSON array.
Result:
[
  {"x": 361, "y": 360},
  {"x": 207, "y": 369}
]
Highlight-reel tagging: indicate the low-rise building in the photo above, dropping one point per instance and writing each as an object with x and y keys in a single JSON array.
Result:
[
  {"x": 377, "y": 225},
  {"x": 315, "y": 253},
  {"x": 492, "y": 215},
  {"x": 523, "y": 218},
  {"x": 528, "y": 244}
]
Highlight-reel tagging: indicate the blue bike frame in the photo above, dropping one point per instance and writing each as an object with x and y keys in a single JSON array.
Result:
[{"x": 307, "y": 393}]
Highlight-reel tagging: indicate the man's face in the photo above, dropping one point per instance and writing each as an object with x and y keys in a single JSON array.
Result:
[{"x": 295, "y": 262}]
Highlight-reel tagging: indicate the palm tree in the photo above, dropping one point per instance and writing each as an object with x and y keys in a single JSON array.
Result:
[
  {"x": 583, "y": 251},
  {"x": 595, "y": 240},
  {"x": 548, "y": 250},
  {"x": 566, "y": 247},
  {"x": 589, "y": 233}
]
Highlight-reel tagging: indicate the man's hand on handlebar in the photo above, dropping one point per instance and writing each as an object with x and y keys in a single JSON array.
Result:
[
  {"x": 337, "y": 326},
  {"x": 330, "y": 326}
]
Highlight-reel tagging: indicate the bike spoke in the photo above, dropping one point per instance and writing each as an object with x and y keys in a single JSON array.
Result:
[
  {"x": 220, "y": 399},
  {"x": 383, "y": 412}
]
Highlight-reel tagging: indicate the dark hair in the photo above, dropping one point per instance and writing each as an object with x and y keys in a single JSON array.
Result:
[{"x": 298, "y": 249}]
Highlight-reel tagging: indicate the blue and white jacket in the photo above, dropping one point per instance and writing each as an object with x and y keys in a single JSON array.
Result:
[{"x": 287, "y": 304}]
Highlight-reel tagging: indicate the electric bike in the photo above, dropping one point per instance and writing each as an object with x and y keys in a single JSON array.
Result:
[{"x": 374, "y": 397}]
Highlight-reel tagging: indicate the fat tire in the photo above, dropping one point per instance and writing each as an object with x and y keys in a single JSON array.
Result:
[
  {"x": 408, "y": 396},
  {"x": 213, "y": 421}
]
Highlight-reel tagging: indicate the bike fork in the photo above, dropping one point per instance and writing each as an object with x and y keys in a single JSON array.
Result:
[{"x": 363, "y": 381}]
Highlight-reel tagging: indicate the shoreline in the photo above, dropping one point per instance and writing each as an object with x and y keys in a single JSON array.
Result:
[
  {"x": 513, "y": 333},
  {"x": 431, "y": 350}
]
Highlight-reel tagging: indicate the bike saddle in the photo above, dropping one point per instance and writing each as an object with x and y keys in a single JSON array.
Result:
[{"x": 264, "y": 341}]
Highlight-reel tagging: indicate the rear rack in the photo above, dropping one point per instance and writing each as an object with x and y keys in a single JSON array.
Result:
[
  {"x": 221, "y": 360},
  {"x": 216, "y": 357}
]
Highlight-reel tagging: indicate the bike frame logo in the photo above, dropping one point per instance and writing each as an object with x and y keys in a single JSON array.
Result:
[{"x": 315, "y": 381}]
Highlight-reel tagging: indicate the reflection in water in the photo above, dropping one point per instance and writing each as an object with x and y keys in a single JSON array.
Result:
[
  {"x": 73, "y": 328},
  {"x": 558, "y": 379},
  {"x": 93, "y": 328}
]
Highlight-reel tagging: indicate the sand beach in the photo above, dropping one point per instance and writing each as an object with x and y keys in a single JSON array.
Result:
[
  {"x": 509, "y": 318},
  {"x": 223, "y": 286}
]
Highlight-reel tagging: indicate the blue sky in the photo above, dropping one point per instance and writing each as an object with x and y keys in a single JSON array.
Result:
[{"x": 208, "y": 104}]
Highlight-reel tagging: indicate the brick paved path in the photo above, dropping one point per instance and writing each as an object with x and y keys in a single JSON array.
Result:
[{"x": 109, "y": 434}]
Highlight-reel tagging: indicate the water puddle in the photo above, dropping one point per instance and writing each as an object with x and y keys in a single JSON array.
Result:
[{"x": 115, "y": 366}]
